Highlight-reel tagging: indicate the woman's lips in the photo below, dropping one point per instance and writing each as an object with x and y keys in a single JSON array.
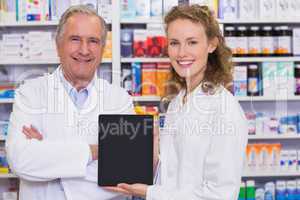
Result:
[{"x": 185, "y": 63}]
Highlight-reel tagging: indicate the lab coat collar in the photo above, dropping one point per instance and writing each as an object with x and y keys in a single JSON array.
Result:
[{"x": 63, "y": 98}]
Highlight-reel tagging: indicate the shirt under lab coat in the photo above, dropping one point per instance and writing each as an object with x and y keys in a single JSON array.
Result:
[
  {"x": 202, "y": 148},
  {"x": 58, "y": 167}
]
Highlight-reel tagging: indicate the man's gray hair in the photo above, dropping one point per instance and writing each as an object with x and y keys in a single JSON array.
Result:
[{"x": 80, "y": 9}]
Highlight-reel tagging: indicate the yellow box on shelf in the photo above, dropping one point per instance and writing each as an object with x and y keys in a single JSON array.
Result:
[{"x": 4, "y": 170}]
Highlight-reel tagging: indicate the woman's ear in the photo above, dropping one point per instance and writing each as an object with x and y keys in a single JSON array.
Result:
[{"x": 213, "y": 43}]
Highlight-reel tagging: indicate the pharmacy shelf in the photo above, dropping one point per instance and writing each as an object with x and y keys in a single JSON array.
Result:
[
  {"x": 28, "y": 24},
  {"x": 141, "y": 21},
  {"x": 245, "y": 99},
  {"x": 6, "y": 100},
  {"x": 8, "y": 176},
  {"x": 32, "y": 24},
  {"x": 259, "y": 21},
  {"x": 221, "y": 21},
  {"x": 274, "y": 137},
  {"x": 146, "y": 98},
  {"x": 2, "y": 137},
  {"x": 234, "y": 59},
  {"x": 262, "y": 98},
  {"x": 38, "y": 62},
  {"x": 266, "y": 59},
  {"x": 151, "y": 21},
  {"x": 258, "y": 174},
  {"x": 145, "y": 60}
]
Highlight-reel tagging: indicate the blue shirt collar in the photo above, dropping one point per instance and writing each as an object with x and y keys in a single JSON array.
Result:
[{"x": 67, "y": 85}]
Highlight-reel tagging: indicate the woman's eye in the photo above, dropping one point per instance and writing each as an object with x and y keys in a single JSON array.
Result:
[
  {"x": 192, "y": 42},
  {"x": 173, "y": 43}
]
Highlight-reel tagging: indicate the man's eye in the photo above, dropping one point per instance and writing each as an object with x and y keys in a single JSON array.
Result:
[
  {"x": 74, "y": 39},
  {"x": 95, "y": 41}
]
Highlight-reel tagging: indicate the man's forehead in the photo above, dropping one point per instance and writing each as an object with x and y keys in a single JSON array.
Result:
[{"x": 78, "y": 18}]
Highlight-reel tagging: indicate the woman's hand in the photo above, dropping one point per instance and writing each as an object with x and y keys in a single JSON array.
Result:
[{"x": 137, "y": 189}]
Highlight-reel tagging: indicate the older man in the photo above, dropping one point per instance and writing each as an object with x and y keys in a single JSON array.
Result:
[{"x": 52, "y": 142}]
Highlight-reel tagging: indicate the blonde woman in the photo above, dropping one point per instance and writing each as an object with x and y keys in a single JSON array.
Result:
[{"x": 203, "y": 141}]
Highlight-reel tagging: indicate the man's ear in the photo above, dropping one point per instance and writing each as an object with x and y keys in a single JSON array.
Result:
[
  {"x": 213, "y": 43},
  {"x": 57, "y": 45}
]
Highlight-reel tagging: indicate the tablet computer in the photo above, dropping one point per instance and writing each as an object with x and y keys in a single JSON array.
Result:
[{"x": 125, "y": 149}]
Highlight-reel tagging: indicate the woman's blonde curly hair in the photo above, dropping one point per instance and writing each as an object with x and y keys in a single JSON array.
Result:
[{"x": 219, "y": 64}]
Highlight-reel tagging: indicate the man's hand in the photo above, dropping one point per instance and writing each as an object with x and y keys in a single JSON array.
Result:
[
  {"x": 94, "y": 151},
  {"x": 32, "y": 133}
]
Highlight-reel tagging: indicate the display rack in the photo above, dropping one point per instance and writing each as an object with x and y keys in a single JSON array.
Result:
[
  {"x": 274, "y": 137},
  {"x": 38, "y": 62},
  {"x": 8, "y": 176},
  {"x": 251, "y": 174}
]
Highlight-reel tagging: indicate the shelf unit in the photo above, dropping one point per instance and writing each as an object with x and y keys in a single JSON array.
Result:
[
  {"x": 29, "y": 24},
  {"x": 221, "y": 21},
  {"x": 145, "y": 60},
  {"x": 274, "y": 137},
  {"x": 257, "y": 174},
  {"x": 2, "y": 137},
  {"x": 266, "y": 59},
  {"x": 234, "y": 59},
  {"x": 146, "y": 98},
  {"x": 262, "y": 98},
  {"x": 39, "y": 62},
  {"x": 8, "y": 175},
  {"x": 7, "y": 100}
]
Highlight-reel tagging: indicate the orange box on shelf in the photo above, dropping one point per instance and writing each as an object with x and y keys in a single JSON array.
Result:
[
  {"x": 108, "y": 47},
  {"x": 163, "y": 74},
  {"x": 149, "y": 79}
]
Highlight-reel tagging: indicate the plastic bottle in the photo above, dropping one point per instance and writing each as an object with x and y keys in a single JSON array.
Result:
[
  {"x": 242, "y": 41},
  {"x": 253, "y": 80},
  {"x": 280, "y": 190},
  {"x": 251, "y": 123},
  {"x": 267, "y": 41},
  {"x": 291, "y": 189},
  {"x": 127, "y": 79},
  {"x": 230, "y": 38},
  {"x": 254, "y": 41},
  {"x": 259, "y": 194},
  {"x": 242, "y": 193},
  {"x": 298, "y": 132},
  {"x": 259, "y": 123},
  {"x": 250, "y": 190},
  {"x": 269, "y": 191},
  {"x": 297, "y": 79},
  {"x": 283, "y": 41}
]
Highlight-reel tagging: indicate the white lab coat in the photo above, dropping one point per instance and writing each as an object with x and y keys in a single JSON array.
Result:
[
  {"x": 58, "y": 167},
  {"x": 202, "y": 148}
]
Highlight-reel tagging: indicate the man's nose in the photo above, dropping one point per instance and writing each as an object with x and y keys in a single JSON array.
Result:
[{"x": 84, "y": 48}]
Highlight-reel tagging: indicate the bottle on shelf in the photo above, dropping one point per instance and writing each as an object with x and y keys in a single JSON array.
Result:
[
  {"x": 230, "y": 38},
  {"x": 127, "y": 79},
  {"x": 253, "y": 80},
  {"x": 267, "y": 41},
  {"x": 254, "y": 41},
  {"x": 241, "y": 41},
  {"x": 283, "y": 46},
  {"x": 297, "y": 79}
]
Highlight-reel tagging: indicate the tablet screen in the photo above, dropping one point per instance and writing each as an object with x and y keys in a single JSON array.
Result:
[{"x": 125, "y": 149}]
